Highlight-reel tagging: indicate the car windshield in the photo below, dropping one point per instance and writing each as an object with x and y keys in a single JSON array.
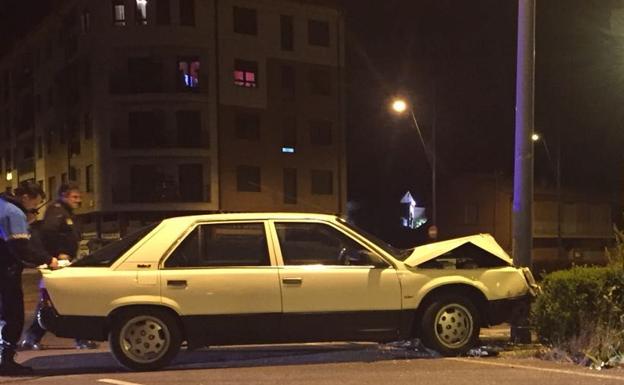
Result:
[
  {"x": 397, "y": 253},
  {"x": 108, "y": 254}
]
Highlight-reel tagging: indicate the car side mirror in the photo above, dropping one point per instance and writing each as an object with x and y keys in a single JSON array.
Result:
[{"x": 368, "y": 257}]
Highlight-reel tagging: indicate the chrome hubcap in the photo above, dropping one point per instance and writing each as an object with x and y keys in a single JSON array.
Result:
[
  {"x": 144, "y": 339},
  {"x": 453, "y": 325}
]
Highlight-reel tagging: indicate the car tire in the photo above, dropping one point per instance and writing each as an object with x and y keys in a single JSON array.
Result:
[
  {"x": 144, "y": 339},
  {"x": 450, "y": 325}
]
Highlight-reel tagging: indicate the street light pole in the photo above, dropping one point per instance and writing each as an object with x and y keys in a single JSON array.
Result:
[
  {"x": 522, "y": 241},
  {"x": 399, "y": 105},
  {"x": 555, "y": 167},
  {"x": 434, "y": 160}
]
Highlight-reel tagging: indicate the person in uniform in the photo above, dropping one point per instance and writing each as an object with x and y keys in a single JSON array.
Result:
[
  {"x": 16, "y": 250},
  {"x": 60, "y": 235}
]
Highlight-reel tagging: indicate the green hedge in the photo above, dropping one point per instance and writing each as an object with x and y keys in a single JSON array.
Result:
[{"x": 577, "y": 299}]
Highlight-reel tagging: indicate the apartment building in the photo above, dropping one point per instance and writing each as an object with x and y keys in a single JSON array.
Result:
[{"x": 166, "y": 107}]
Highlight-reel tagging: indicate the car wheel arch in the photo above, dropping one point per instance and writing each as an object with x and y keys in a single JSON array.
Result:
[
  {"x": 476, "y": 296},
  {"x": 120, "y": 310}
]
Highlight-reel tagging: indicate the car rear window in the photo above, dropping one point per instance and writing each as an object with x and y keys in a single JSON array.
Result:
[{"x": 108, "y": 254}]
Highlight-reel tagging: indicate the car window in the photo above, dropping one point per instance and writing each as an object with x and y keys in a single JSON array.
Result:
[
  {"x": 233, "y": 244},
  {"x": 318, "y": 244},
  {"x": 107, "y": 255},
  {"x": 400, "y": 254}
]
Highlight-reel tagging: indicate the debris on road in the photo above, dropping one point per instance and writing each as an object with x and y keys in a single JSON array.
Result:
[
  {"x": 414, "y": 346},
  {"x": 484, "y": 351}
]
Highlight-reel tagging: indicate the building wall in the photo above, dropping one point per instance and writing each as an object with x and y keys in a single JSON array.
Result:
[
  {"x": 84, "y": 96},
  {"x": 483, "y": 204}
]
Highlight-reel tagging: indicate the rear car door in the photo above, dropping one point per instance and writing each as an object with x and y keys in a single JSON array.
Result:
[
  {"x": 223, "y": 281},
  {"x": 332, "y": 286}
]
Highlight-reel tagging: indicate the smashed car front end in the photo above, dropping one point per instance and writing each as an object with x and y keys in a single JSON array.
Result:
[{"x": 475, "y": 265}]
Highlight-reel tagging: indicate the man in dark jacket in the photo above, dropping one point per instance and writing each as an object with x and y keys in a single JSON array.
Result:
[
  {"x": 16, "y": 249},
  {"x": 60, "y": 235}
]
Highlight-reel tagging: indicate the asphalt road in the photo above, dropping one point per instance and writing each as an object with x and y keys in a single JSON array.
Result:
[{"x": 359, "y": 364}]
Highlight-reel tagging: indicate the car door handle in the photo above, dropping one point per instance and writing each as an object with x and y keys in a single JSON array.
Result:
[
  {"x": 177, "y": 283},
  {"x": 292, "y": 281}
]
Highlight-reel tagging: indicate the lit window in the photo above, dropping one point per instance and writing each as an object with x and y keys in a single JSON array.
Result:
[
  {"x": 189, "y": 73},
  {"x": 141, "y": 12},
  {"x": 245, "y": 73},
  {"x": 119, "y": 13}
]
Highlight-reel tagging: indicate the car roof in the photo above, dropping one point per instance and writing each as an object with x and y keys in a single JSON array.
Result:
[{"x": 251, "y": 216}]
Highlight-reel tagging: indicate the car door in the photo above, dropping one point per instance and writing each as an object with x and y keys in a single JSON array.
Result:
[
  {"x": 223, "y": 282},
  {"x": 333, "y": 287}
]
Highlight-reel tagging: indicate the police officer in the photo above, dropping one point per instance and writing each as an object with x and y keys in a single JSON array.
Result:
[
  {"x": 16, "y": 249},
  {"x": 60, "y": 235}
]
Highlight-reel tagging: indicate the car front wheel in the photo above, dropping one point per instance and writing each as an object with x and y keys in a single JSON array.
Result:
[
  {"x": 450, "y": 325},
  {"x": 144, "y": 339}
]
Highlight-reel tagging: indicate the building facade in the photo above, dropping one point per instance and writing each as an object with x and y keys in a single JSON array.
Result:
[
  {"x": 569, "y": 227},
  {"x": 165, "y": 107}
]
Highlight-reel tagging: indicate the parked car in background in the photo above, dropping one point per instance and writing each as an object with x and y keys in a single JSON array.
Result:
[{"x": 278, "y": 278}]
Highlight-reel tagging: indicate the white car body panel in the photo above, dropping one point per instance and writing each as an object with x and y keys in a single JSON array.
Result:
[
  {"x": 429, "y": 251},
  {"x": 340, "y": 288},
  {"x": 506, "y": 282},
  {"x": 223, "y": 291},
  {"x": 95, "y": 291}
]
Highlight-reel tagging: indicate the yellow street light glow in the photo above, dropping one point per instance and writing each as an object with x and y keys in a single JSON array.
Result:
[
  {"x": 9, "y": 175},
  {"x": 535, "y": 137},
  {"x": 399, "y": 105}
]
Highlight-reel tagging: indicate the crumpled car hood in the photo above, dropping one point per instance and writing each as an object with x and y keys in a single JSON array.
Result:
[{"x": 427, "y": 252}]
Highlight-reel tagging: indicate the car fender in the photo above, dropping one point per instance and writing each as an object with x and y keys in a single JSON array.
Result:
[
  {"x": 494, "y": 284},
  {"x": 441, "y": 282},
  {"x": 172, "y": 304},
  {"x": 134, "y": 300}
]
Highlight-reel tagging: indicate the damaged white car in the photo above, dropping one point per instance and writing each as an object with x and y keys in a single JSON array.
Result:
[{"x": 227, "y": 279}]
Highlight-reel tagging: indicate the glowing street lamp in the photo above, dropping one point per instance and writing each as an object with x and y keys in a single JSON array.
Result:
[{"x": 399, "y": 105}]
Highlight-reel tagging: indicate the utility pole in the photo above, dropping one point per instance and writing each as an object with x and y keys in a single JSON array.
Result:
[{"x": 523, "y": 163}]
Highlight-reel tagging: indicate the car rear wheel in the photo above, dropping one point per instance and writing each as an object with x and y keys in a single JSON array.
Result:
[
  {"x": 145, "y": 339},
  {"x": 450, "y": 325}
]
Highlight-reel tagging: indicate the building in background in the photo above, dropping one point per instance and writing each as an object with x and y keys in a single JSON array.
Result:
[
  {"x": 574, "y": 229},
  {"x": 166, "y": 107}
]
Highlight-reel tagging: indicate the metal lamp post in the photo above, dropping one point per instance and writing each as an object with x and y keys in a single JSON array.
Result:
[
  {"x": 401, "y": 106},
  {"x": 555, "y": 167}
]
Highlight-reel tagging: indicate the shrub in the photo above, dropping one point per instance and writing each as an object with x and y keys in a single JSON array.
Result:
[{"x": 582, "y": 310}]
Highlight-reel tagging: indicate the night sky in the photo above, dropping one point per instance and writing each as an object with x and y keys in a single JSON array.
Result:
[{"x": 456, "y": 61}]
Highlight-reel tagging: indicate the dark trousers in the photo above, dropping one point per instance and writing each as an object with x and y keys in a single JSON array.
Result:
[
  {"x": 11, "y": 307},
  {"x": 35, "y": 332}
]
